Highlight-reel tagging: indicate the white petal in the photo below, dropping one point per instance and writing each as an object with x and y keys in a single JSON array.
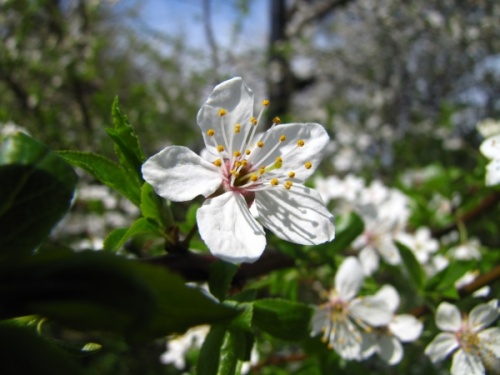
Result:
[
  {"x": 178, "y": 174},
  {"x": 390, "y": 349},
  {"x": 369, "y": 260},
  {"x": 346, "y": 339},
  {"x": 349, "y": 278},
  {"x": 390, "y": 295},
  {"x": 406, "y": 327},
  {"x": 294, "y": 157},
  {"x": 229, "y": 230},
  {"x": 319, "y": 320},
  {"x": 491, "y": 147},
  {"x": 297, "y": 215},
  {"x": 369, "y": 345},
  {"x": 371, "y": 310},
  {"x": 448, "y": 317},
  {"x": 237, "y": 99},
  {"x": 493, "y": 172},
  {"x": 489, "y": 341},
  {"x": 482, "y": 316},
  {"x": 388, "y": 250},
  {"x": 466, "y": 364},
  {"x": 442, "y": 345}
]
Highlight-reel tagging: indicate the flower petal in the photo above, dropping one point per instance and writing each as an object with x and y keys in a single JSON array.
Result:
[
  {"x": 297, "y": 215},
  {"x": 369, "y": 259},
  {"x": 482, "y": 316},
  {"x": 406, "y": 327},
  {"x": 493, "y": 172},
  {"x": 371, "y": 310},
  {"x": 349, "y": 278},
  {"x": 390, "y": 349},
  {"x": 442, "y": 345},
  {"x": 178, "y": 174},
  {"x": 319, "y": 320},
  {"x": 237, "y": 100},
  {"x": 229, "y": 230},
  {"x": 466, "y": 364},
  {"x": 390, "y": 295},
  {"x": 489, "y": 341},
  {"x": 346, "y": 339},
  {"x": 448, "y": 317},
  {"x": 491, "y": 147},
  {"x": 314, "y": 137}
]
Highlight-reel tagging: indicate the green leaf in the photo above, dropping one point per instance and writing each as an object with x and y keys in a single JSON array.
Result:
[
  {"x": 282, "y": 319},
  {"x": 24, "y": 352},
  {"x": 100, "y": 291},
  {"x": 154, "y": 207},
  {"x": 106, "y": 171},
  {"x": 415, "y": 271},
  {"x": 347, "y": 228},
  {"x": 446, "y": 278},
  {"x": 36, "y": 191},
  {"x": 127, "y": 146},
  {"x": 220, "y": 277},
  {"x": 208, "y": 361},
  {"x": 118, "y": 237}
]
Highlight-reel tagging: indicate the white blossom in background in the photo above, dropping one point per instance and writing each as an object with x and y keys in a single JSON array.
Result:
[
  {"x": 475, "y": 347},
  {"x": 421, "y": 243},
  {"x": 468, "y": 278},
  {"x": 343, "y": 318},
  {"x": 386, "y": 341},
  {"x": 179, "y": 346},
  {"x": 253, "y": 180},
  {"x": 466, "y": 250},
  {"x": 490, "y": 148}
]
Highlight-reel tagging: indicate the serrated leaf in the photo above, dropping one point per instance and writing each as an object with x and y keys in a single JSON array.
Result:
[
  {"x": 36, "y": 191},
  {"x": 282, "y": 319},
  {"x": 118, "y": 237},
  {"x": 24, "y": 352},
  {"x": 413, "y": 267},
  {"x": 220, "y": 276},
  {"x": 106, "y": 171},
  {"x": 100, "y": 291},
  {"x": 127, "y": 146}
]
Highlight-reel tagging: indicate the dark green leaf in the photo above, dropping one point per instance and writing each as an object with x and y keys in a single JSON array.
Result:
[
  {"x": 282, "y": 319},
  {"x": 208, "y": 361},
  {"x": 36, "y": 191},
  {"x": 141, "y": 226},
  {"x": 127, "y": 145},
  {"x": 101, "y": 291},
  {"x": 446, "y": 278},
  {"x": 415, "y": 271},
  {"x": 106, "y": 171},
  {"x": 22, "y": 351},
  {"x": 221, "y": 275}
]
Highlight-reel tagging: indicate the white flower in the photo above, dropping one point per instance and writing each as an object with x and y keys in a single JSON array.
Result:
[
  {"x": 342, "y": 318},
  {"x": 262, "y": 172},
  {"x": 421, "y": 243},
  {"x": 386, "y": 341},
  {"x": 178, "y": 346},
  {"x": 467, "y": 250},
  {"x": 491, "y": 149},
  {"x": 475, "y": 346}
]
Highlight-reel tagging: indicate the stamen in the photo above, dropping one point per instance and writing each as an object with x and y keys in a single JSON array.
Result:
[
  {"x": 276, "y": 120},
  {"x": 308, "y": 165},
  {"x": 217, "y": 162},
  {"x": 237, "y": 128},
  {"x": 248, "y": 152},
  {"x": 291, "y": 174},
  {"x": 300, "y": 143},
  {"x": 210, "y": 132},
  {"x": 254, "y": 177},
  {"x": 260, "y": 144},
  {"x": 253, "y": 120},
  {"x": 236, "y": 154},
  {"x": 274, "y": 182},
  {"x": 283, "y": 138},
  {"x": 265, "y": 103},
  {"x": 278, "y": 162},
  {"x": 222, "y": 112},
  {"x": 220, "y": 148},
  {"x": 288, "y": 184}
]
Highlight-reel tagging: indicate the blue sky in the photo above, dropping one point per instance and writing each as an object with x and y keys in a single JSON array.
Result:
[{"x": 185, "y": 17}]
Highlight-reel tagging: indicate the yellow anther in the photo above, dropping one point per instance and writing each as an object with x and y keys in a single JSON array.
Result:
[
  {"x": 237, "y": 128},
  {"x": 237, "y": 164},
  {"x": 291, "y": 174},
  {"x": 279, "y": 159},
  {"x": 236, "y": 154},
  {"x": 274, "y": 181},
  {"x": 234, "y": 172},
  {"x": 248, "y": 152},
  {"x": 244, "y": 162},
  {"x": 210, "y": 132},
  {"x": 220, "y": 148},
  {"x": 283, "y": 138},
  {"x": 217, "y": 162},
  {"x": 253, "y": 120},
  {"x": 262, "y": 169},
  {"x": 300, "y": 143},
  {"x": 276, "y": 120},
  {"x": 288, "y": 184},
  {"x": 265, "y": 103},
  {"x": 308, "y": 165},
  {"x": 260, "y": 144},
  {"x": 222, "y": 112},
  {"x": 254, "y": 177}
]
